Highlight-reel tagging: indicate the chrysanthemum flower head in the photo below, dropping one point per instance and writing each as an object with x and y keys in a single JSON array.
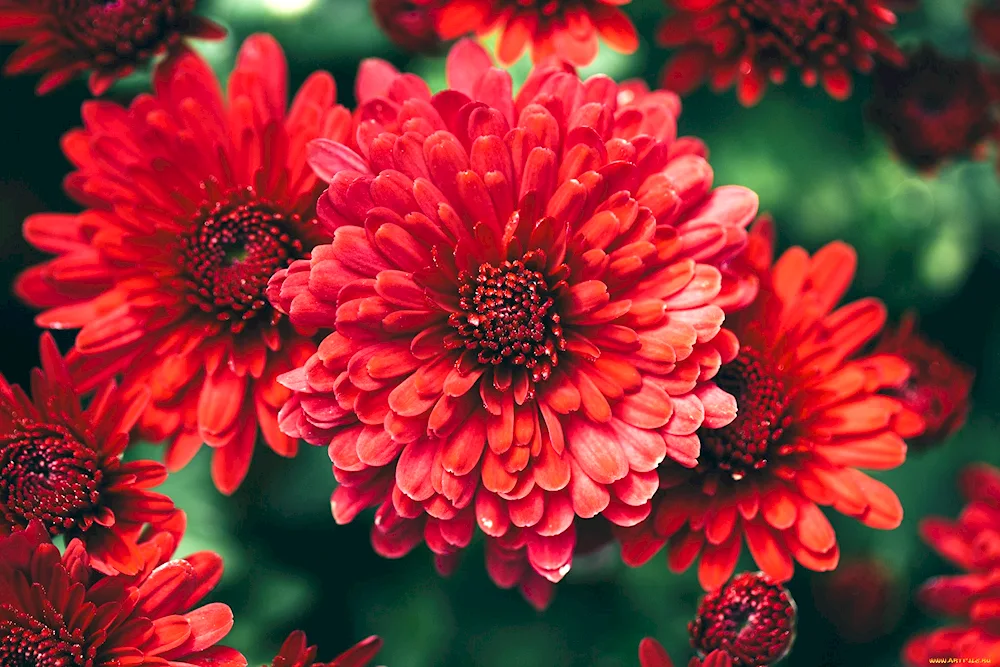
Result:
[
  {"x": 934, "y": 108},
  {"x": 60, "y": 466},
  {"x": 194, "y": 199},
  {"x": 937, "y": 390},
  {"x": 296, "y": 652},
  {"x": 750, "y": 43},
  {"x": 813, "y": 409},
  {"x": 972, "y": 543},
  {"x": 652, "y": 654},
  {"x": 110, "y": 39},
  {"x": 526, "y": 297},
  {"x": 57, "y": 610},
  {"x": 569, "y": 29},
  {"x": 752, "y": 619}
]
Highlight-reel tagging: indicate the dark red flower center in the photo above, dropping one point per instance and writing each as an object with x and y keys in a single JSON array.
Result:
[
  {"x": 48, "y": 475},
  {"x": 113, "y": 31},
  {"x": 33, "y": 644},
  {"x": 752, "y": 618},
  {"x": 235, "y": 247},
  {"x": 754, "y": 437},
  {"x": 508, "y": 316},
  {"x": 794, "y": 25}
]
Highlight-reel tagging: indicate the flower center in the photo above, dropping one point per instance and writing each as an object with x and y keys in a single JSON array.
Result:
[
  {"x": 755, "y": 435},
  {"x": 792, "y": 25},
  {"x": 37, "y": 645},
  {"x": 121, "y": 30},
  {"x": 752, "y": 618},
  {"x": 508, "y": 316},
  {"x": 235, "y": 247},
  {"x": 48, "y": 475}
]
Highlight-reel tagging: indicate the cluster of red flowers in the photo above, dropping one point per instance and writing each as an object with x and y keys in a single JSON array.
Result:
[{"x": 529, "y": 314}]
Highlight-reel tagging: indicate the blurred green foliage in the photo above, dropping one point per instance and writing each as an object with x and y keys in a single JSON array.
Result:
[{"x": 929, "y": 243}]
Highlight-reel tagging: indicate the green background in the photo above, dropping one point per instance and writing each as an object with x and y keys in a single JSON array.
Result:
[{"x": 929, "y": 243}]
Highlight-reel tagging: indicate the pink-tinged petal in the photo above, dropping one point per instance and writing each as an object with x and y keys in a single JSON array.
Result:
[{"x": 596, "y": 449}]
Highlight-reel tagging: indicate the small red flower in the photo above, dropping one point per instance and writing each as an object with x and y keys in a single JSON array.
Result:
[
  {"x": 973, "y": 544},
  {"x": 752, "y": 42},
  {"x": 933, "y": 108},
  {"x": 652, "y": 654},
  {"x": 296, "y": 652},
  {"x": 752, "y": 618},
  {"x": 411, "y": 24},
  {"x": 194, "y": 199},
  {"x": 60, "y": 465},
  {"x": 57, "y": 611},
  {"x": 861, "y": 599},
  {"x": 812, "y": 410},
  {"x": 527, "y": 295},
  {"x": 937, "y": 390},
  {"x": 985, "y": 22},
  {"x": 111, "y": 39},
  {"x": 569, "y": 29}
]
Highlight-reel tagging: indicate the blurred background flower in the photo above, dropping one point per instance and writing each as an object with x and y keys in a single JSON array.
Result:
[{"x": 819, "y": 168}]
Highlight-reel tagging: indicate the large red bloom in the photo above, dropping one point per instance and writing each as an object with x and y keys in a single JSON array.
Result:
[
  {"x": 937, "y": 390},
  {"x": 652, "y": 654},
  {"x": 752, "y": 42},
  {"x": 570, "y": 29},
  {"x": 194, "y": 201},
  {"x": 58, "y": 611},
  {"x": 973, "y": 544},
  {"x": 934, "y": 108},
  {"x": 296, "y": 652},
  {"x": 812, "y": 410},
  {"x": 60, "y": 465},
  {"x": 110, "y": 39},
  {"x": 527, "y": 304}
]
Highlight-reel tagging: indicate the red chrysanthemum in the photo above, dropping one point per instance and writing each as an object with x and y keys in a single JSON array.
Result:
[
  {"x": 528, "y": 297},
  {"x": 569, "y": 29},
  {"x": 933, "y": 108},
  {"x": 811, "y": 411},
  {"x": 652, "y": 654},
  {"x": 752, "y": 42},
  {"x": 985, "y": 21},
  {"x": 973, "y": 544},
  {"x": 937, "y": 390},
  {"x": 195, "y": 201},
  {"x": 296, "y": 652},
  {"x": 60, "y": 465},
  {"x": 411, "y": 24},
  {"x": 58, "y": 611},
  {"x": 110, "y": 39},
  {"x": 751, "y": 618},
  {"x": 861, "y": 599}
]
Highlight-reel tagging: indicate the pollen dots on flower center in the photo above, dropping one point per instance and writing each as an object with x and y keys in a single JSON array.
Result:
[
  {"x": 508, "y": 316},
  {"x": 752, "y": 618},
  {"x": 48, "y": 475},
  {"x": 36, "y": 645},
  {"x": 755, "y": 435},
  {"x": 235, "y": 246}
]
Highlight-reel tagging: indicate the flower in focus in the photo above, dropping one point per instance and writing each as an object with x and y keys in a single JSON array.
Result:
[
  {"x": 937, "y": 390},
  {"x": 861, "y": 599},
  {"x": 652, "y": 654},
  {"x": 933, "y": 108},
  {"x": 57, "y": 611},
  {"x": 527, "y": 295},
  {"x": 972, "y": 543},
  {"x": 296, "y": 652},
  {"x": 411, "y": 24},
  {"x": 752, "y": 618},
  {"x": 812, "y": 410},
  {"x": 569, "y": 29},
  {"x": 194, "y": 200},
  {"x": 110, "y": 39},
  {"x": 752, "y": 42},
  {"x": 60, "y": 465}
]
